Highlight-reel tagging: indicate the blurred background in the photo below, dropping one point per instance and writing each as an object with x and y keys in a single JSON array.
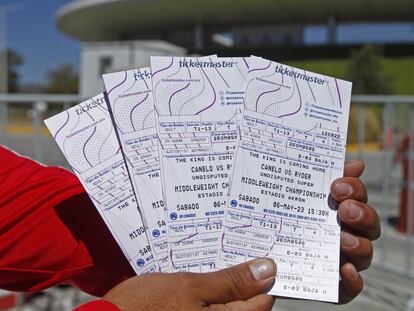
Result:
[{"x": 52, "y": 55}]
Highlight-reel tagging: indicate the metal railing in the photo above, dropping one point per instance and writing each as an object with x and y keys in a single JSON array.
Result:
[
  {"x": 394, "y": 251},
  {"x": 39, "y": 104}
]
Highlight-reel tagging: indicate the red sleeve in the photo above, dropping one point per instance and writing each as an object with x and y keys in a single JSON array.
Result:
[
  {"x": 50, "y": 232},
  {"x": 97, "y": 305}
]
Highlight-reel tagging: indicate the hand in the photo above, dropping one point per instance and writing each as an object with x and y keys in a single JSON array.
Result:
[
  {"x": 240, "y": 288},
  {"x": 360, "y": 226}
]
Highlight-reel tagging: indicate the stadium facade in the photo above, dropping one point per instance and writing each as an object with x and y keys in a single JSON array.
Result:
[{"x": 117, "y": 34}]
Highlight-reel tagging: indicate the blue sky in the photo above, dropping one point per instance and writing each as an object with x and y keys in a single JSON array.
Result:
[
  {"x": 32, "y": 33},
  {"x": 363, "y": 33}
]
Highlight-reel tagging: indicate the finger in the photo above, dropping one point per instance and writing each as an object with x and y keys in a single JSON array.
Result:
[
  {"x": 257, "y": 303},
  {"x": 360, "y": 217},
  {"x": 350, "y": 285},
  {"x": 358, "y": 250},
  {"x": 349, "y": 188},
  {"x": 354, "y": 168},
  {"x": 240, "y": 282}
]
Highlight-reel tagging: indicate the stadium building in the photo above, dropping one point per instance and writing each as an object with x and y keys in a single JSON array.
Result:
[{"x": 117, "y": 34}]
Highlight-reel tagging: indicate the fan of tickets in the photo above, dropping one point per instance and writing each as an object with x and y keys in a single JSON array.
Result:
[{"x": 197, "y": 164}]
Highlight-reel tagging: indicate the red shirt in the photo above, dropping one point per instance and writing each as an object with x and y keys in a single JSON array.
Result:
[
  {"x": 50, "y": 232},
  {"x": 97, "y": 305}
]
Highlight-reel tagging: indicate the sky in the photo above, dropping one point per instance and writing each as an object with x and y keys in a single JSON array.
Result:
[
  {"x": 362, "y": 33},
  {"x": 32, "y": 32}
]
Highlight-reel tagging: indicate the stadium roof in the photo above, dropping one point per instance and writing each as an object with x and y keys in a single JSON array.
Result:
[{"x": 93, "y": 20}]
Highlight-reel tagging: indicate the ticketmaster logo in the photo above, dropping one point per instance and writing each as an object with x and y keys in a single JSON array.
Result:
[
  {"x": 209, "y": 64},
  {"x": 290, "y": 72},
  {"x": 93, "y": 103}
]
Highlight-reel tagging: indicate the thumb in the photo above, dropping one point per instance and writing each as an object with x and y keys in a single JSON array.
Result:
[{"x": 240, "y": 282}]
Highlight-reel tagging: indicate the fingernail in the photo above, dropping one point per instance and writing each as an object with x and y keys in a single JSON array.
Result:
[
  {"x": 262, "y": 269},
  {"x": 353, "y": 273},
  {"x": 354, "y": 211},
  {"x": 343, "y": 189},
  {"x": 349, "y": 240}
]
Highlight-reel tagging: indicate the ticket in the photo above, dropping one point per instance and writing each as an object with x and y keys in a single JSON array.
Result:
[
  {"x": 292, "y": 146},
  {"x": 130, "y": 99},
  {"x": 86, "y": 136},
  {"x": 198, "y": 103}
]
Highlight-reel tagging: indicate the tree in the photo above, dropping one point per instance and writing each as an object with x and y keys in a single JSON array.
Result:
[
  {"x": 14, "y": 60},
  {"x": 62, "y": 80},
  {"x": 367, "y": 73}
]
